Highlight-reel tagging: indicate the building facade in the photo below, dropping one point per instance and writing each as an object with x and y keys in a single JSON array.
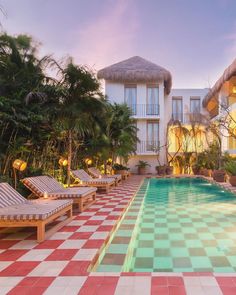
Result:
[
  {"x": 220, "y": 103},
  {"x": 158, "y": 109}
]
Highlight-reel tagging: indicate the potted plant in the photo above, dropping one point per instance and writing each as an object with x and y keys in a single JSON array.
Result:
[
  {"x": 196, "y": 168},
  {"x": 219, "y": 175},
  {"x": 161, "y": 169},
  {"x": 169, "y": 170},
  {"x": 120, "y": 169},
  {"x": 142, "y": 165},
  {"x": 230, "y": 167}
]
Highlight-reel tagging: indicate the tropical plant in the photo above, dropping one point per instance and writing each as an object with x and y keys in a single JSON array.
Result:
[
  {"x": 42, "y": 118},
  {"x": 230, "y": 167},
  {"x": 121, "y": 131},
  {"x": 117, "y": 167},
  {"x": 142, "y": 164}
]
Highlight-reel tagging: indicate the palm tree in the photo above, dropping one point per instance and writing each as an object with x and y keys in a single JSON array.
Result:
[
  {"x": 81, "y": 103},
  {"x": 121, "y": 131}
]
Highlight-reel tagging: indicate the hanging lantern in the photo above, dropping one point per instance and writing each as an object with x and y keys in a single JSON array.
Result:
[
  {"x": 19, "y": 165},
  {"x": 88, "y": 161},
  {"x": 63, "y": 161}
]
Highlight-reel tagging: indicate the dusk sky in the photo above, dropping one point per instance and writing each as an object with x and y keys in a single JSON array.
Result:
[{"x": 194, "y": 39}]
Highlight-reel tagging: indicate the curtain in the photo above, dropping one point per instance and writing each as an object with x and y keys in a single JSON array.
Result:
[
  {"x": 131, "y": 98},
  {"x": 177, "y": 109},
  {"x": 152, "y": 100}
]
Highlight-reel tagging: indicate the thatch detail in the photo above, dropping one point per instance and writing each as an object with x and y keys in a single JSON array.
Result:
[
  {"x": 137, "y": 70},
  {"x": 228, "y": 73}
]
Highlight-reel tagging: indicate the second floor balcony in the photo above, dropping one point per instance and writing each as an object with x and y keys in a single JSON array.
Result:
[
  {"x": 148, "y": 147},
  {"x": 144, "y": 110},
  {"x": 189, "y": 118}
]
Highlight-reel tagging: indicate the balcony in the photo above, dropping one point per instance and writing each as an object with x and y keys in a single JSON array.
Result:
[
  {"x": 148, "y": 147},
  {"x": 144, "y": 110},
  {"x": 189, "y": 118}
]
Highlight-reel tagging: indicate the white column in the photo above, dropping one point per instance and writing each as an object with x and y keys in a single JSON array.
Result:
[{"x": 162, "y": 124}]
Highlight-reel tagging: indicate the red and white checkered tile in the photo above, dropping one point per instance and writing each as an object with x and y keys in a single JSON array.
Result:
[{"x": 59, "y": 264}]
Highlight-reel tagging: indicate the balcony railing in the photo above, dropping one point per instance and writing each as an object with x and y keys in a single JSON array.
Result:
[
  {"x": 188, "y": 118},
  {"x": 148, "y": 147},
  {"x": 144, "y": 110}
]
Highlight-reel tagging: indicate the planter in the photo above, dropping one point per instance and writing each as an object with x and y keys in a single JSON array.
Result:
[
  {"x": 169, "y": 170},
  {"x": 219, "y": 175},
  {"x": 232, "y": 180},
  {"x": 196, "y": 170},
  {"x": 142, "y": 170},
  {"x": 161, "y": 170},
  {"x": 121, "y": 172},
  {"x": 205, "y": 172}
]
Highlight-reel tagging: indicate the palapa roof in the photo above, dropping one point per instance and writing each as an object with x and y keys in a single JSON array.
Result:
[
  {"x": 229, "y": 72},
  {"x": 137, "y": 69}
]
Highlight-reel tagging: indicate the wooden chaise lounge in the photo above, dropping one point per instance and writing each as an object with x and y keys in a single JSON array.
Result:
[
  {"x": 39, "y": 185},
  {"x": 16, "y": 211},
  {"x": 97, "y": 174},
  {"x": 83, "y": 178}
]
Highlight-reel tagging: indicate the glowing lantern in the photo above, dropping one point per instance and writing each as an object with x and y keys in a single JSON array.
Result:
[
  {"x": 88, "y": 161},
  {"x": 234, "y": 89},
  {"x": 19, "y": 165},
  {"x": 63, "y": 161}
]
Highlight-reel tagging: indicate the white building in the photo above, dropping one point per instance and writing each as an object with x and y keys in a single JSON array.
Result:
[
  {"x": 220, "y": 103},
  {"x": 146, "y": 88}
]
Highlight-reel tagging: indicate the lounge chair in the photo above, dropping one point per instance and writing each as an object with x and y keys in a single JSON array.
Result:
[
  {"x": 16, "y": 211},
  {"x": 83, "y": 178},
  {"x": 39, "y": 185},
  {"x": 97, "y": 174}
]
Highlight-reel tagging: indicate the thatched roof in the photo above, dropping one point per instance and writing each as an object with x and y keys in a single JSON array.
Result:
[
  {"x": 228, "y": 73},
  {"x": 137, "y": 69}
]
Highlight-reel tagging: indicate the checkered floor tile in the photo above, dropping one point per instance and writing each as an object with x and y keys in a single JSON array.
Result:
[{"x": 59, "y": 265}]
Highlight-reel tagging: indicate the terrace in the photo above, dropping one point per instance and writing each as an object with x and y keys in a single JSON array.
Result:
[{"x": 60, "y": 264}]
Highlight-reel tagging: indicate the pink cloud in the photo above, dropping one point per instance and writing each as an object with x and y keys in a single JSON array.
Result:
[{"x": 108, "y": 38}]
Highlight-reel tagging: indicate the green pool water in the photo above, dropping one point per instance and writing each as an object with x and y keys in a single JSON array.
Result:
[{"x": 175, "y": 225}]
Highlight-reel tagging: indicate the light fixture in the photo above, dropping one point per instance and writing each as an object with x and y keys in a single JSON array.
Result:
[
  {"x": 234, "y": 89},
  {"x": 19, "y": 165},
  {"x": 109, "y": 161},
  {"x": 63, "y": 161},
  {"x": 88, "y": 161}
]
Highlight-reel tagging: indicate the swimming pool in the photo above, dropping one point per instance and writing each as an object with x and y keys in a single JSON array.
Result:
[{"x": 174, "y": 225}]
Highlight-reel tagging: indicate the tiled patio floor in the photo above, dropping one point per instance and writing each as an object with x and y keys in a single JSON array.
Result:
[{"x": 59, "y": 265}]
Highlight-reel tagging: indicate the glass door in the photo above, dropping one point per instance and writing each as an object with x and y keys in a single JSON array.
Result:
[{"x": 177, "y": 109}]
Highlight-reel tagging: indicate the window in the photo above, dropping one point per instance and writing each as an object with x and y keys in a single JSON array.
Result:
[
  {"x": 195, "y": 106},
  {"x": 177, "y": 109},
  {"x": 152, "y": 100},
  {"x": 131, "y": 98},
  {"x": 152, "y": 135}
]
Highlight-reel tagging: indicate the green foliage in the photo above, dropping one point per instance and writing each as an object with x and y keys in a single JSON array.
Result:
[
  {"x": 230, "y": 167},
  {"x": 42, "y": 118},
  {"x": 142, "y": 164},
  {"x": 117, "y": 167}
]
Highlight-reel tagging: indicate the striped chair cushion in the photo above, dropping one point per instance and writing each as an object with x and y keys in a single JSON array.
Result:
[
  {"x": 40, "y": 184},
  {"x": 81, "y": 174},
  {"x": 92, "y": 181},
  {"x": 9, "y": 196},
  {"x": 73, "y": 192},
  {"x": 96, "y": 173},
  {"x": 33, "y": 210}
]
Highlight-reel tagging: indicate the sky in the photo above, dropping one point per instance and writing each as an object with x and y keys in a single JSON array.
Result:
[{"x": 194, "y": 39}]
